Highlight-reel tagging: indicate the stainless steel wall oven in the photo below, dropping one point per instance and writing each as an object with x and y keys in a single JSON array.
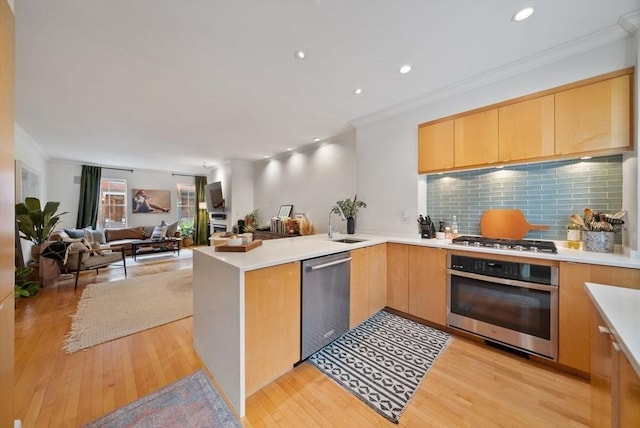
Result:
[{"x": 512, "y": 303}]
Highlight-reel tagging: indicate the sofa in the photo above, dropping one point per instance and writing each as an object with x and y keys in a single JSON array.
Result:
[{"x": 121, "y": 239}]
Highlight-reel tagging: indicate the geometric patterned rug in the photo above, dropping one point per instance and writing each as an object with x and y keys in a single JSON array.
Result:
[
  {"x": 382, "y": 361},
  {"x": 189, "y": 402}
]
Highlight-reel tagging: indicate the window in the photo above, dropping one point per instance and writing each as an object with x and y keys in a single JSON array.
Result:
[
  {"x": 112, "y": 211},
  {"x": 186, "y": 202}
]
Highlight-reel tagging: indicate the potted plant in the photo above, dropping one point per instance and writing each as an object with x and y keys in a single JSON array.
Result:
[
  {"x": 36, "y": 224},
  {"x": 252, "y": 219},
  {"x": 186, "y": 232},
  {"x": 349, "y": 209},
  {"x": 23, "y": 286}
]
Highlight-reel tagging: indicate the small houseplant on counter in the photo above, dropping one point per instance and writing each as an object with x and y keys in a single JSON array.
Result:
[
  {"x": 349, "y": 209},
  {"x": 186, "y": 233},
  {"x": 36, "y": 224}
]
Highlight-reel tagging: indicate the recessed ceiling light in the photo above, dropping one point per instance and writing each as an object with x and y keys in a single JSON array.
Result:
[
  {"x": 289, "y": 149},
  {"x": 316, "y": 140},
  {"x": 523, "y": 14},
  {"x": 266, "y": 157},
  {"x": 299, "y": 55},
  {"x": 585, "y": 157},
  {"x": 404, "y": 69},
  {"x": 357, "y": 91}
]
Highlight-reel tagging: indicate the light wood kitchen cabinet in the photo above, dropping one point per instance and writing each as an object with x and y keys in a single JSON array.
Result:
[
  {"x": 428, "y": 283},
  {"x": 574, "y": 314},
  {"x": 435, "y": 146},
  {"x": 629, "y": 394},
  {"x": 398, "y": 277},
  {"x": 594, "y": 117},
  {"x": 526, "y": 129},
  {"x": 6, "y": 361},
  {"x": 272, "y": 323},
  {"x": 368, "y": 283},
  {"x": 7, "y": 213},
  {"x": 476, "y": 138},
  {"x": 615, "y": 385}
]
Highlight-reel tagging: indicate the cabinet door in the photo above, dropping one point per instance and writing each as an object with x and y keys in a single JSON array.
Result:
[
  {"x": 398, "y": 277},
  {"x": 594, "y": 117},
  {"x": 368, "y": 283},
  {"x": 272, "y": 323},
  {"x": 435, "y": 146},
  {"x": 574, "y": 303},
  {"x": 6, "y": 361},
  {"x": 629, "y": 394},
  {"x": 377, "y": 260},
  {"x": 601, "y": 368},
  {"x": 476, "y": 138},
  {"x": 526, "y": 130},
  {"x": 428, "y": 283}
]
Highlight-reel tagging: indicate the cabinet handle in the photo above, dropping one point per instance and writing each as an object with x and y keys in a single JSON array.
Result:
[
  {"x": 616, "y": 347},
  {"x": 1, "y": 306},
  {"x": 603, "y": 329}
]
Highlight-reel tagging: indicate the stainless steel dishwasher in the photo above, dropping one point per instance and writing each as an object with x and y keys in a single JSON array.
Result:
[{"x": 325, "y": 300}]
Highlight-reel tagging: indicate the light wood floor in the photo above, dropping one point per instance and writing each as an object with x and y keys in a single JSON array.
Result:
[{"x": 469, "y": 385}]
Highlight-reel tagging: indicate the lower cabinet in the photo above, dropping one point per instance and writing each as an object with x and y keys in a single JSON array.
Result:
[
  {"x": 398, "y": 277},
  {"x": 417, "y": 281},
  {"x": 428, "y": 283},
  {"x": 615, "y": 385},
  {"x": 272, "y": 323},
  {"x": 574, "y": 303},
  {"x": 6, "y": 361},
  {"x": 368, "y": 283}
]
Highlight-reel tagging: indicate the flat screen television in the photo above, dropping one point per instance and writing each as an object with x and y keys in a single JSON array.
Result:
[{"x": 213, "y": 197}]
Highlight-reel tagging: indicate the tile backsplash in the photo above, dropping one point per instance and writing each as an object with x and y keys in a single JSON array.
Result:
[{"x": 547, "y": 193}]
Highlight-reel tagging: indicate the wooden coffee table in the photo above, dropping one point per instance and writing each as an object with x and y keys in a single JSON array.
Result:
[{"x": 150, "y": 246}]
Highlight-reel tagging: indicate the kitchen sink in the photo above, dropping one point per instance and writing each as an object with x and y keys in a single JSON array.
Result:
[{"x": 348, "y": 240}]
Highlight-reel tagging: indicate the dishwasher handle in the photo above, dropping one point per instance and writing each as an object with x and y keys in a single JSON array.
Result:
[{"x": 329, "y": 264}]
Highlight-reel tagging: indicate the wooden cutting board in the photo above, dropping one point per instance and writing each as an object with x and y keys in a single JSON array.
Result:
[
  {"x": 506, "y": 224},
  {"x": 239, "y": 248}
]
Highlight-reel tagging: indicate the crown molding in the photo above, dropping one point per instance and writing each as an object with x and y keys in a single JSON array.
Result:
[
  {"x": 630, "y": 22},
  {"x": 557, "y": 53}
]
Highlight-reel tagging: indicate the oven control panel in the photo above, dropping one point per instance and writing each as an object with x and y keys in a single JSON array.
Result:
[{"x": 502, "y": 269}]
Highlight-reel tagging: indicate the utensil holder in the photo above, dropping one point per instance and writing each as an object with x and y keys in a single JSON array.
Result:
[{"x": 598, "y": 241}]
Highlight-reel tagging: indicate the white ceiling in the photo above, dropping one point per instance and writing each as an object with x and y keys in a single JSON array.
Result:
[{"x": 171, "y": 84}]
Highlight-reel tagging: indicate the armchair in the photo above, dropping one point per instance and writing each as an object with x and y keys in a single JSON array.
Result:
[{"x": 80, "y": 259}]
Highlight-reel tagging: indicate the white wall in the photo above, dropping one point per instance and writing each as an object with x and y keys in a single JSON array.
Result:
[
  {"x": 311, "y": 179},
  {"x": 31, "y": 154},
  {"x": 387, "y": 149},
  {"x": 64, "y": 186}
]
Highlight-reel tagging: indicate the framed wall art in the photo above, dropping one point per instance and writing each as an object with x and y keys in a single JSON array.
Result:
[
  {"x": 27, "y": 182},
  {"x": 150, "y": 201}
]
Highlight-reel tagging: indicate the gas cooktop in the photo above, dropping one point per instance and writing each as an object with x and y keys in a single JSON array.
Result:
[{"x": 507, "y": 244}]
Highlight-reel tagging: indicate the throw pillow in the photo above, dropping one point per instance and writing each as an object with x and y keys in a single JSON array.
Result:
[
  {"x": 74, "y": 248},
  {"x": 75, "y": 233},
  {"x": 171, "y": 228},
  {"x": 159, "y": 232},
  {"x": 95, "y": 236}
]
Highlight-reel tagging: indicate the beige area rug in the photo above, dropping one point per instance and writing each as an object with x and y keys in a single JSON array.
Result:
[{"x": 110, "y": 310}]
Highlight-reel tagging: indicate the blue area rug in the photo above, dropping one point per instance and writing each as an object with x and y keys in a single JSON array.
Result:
[
  {"x": 189, "y": 402},
  {"x": 382, "y": 361}
]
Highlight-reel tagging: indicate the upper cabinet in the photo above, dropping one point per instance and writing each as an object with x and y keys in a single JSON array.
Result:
[
  {"x": 526, "y": 129},
  {"x": 588, "y": 117},
  {"x": 594, "y": 117},
  {"x": 435, "y": 146},
  {"x": 476, "y": 138}
]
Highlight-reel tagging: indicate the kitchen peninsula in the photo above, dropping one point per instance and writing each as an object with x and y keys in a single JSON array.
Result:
[{"x": 247, "y": 305}]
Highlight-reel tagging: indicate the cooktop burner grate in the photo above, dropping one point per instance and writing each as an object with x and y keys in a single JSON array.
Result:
[{"x": 507, "y": 244}]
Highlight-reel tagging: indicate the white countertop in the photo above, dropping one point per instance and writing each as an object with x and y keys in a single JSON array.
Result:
[
  {"x": 284, "y": 250},
  {"x": 620, "y": 308}
]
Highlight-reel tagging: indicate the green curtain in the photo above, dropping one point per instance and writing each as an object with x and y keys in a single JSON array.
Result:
[
  {"x": 89, "y": 194},
  {"x": 201, "y": 223}
]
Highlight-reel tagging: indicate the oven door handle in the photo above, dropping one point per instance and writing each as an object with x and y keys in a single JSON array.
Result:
[{"x": 504, "y": 281}]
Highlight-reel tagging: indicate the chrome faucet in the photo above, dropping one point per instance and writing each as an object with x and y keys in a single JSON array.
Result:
[{"x": 342, "y": 217}]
